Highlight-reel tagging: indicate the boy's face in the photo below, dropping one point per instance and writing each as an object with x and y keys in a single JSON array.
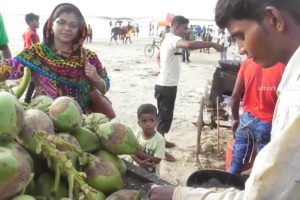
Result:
[
  {"x": 261, "y": 41},
  {"x": 35, "y": 24},
  {"x": 148, "y": 123}
]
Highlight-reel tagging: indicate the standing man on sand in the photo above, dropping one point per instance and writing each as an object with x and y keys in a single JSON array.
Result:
[
  {"x": 268, "y": 31},
  {"x": 169, "y": 60}
]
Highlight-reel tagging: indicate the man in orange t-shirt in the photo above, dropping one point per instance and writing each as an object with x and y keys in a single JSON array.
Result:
[{"x": 259, "y": 87}]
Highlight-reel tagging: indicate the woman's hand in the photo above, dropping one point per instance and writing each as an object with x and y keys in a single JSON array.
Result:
[{"x": 91, "y": 72}]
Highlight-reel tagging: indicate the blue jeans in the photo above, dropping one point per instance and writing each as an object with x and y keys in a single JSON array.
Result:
[{"x": 250, "y": 131}]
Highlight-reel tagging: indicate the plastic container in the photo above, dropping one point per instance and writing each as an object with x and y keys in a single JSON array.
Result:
[{"x": 229, "y": 149}]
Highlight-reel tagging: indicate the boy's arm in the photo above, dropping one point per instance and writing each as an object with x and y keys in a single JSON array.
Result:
[
  {"x": 145, "y": 163},
  {"x": 141, "y": 155},
  {"x": 155, "y": 160},
  {"x": 160, "y": 150}
]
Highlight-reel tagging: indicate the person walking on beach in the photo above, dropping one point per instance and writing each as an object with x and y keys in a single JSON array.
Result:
[
  {"x": 30, "y": 37},
  {"x": 169, "y": 59},
  {"x": 4, "y": 41},
  {"x": 137, "y": 30},
  {"x": 60, "y": 65},
  {"x": 89, "y": 34},
  {"x": 223, "y": 40},
  {"x": 186, "y": 52},
  {"x": 269, "y": 32},
  {"x": 164, "y": 32}
]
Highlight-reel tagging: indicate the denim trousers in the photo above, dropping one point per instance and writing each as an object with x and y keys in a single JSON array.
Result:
[{"x": 250, "y": 133}]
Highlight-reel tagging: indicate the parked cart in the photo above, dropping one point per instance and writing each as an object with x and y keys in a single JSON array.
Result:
[{"x": 221, "y": 85}]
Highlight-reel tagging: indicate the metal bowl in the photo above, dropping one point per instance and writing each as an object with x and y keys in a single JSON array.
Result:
[{"x": 216, "y": 178}]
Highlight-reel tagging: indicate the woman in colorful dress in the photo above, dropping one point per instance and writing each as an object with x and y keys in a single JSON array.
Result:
[{"x": 60, "y": 65}]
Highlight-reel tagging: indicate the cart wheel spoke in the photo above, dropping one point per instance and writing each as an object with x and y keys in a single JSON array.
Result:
[{"x": 149, "y": 50}]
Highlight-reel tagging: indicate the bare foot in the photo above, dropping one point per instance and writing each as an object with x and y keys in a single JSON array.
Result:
[{"x": 169, "y": 157}]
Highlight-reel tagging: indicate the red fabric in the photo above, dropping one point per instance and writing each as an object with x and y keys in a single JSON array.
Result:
[
  {"x": 27, "y": 37},
  {"x": 261, "y": 85}
]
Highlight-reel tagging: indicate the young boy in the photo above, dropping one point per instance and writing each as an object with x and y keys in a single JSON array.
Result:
[
  {"x": 30, "y": 36},
  {"x": 152, "y": 143}
]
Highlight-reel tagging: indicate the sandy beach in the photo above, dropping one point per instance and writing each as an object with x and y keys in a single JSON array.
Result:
[
  {"x": 132, "y": 78},
  {"x": 132, "y": 83}
]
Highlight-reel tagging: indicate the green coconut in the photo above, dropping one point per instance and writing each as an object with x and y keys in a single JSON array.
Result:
[
  {"x": 88, "y": 140},
  {"x": 41, "y": 102},
  {"x": 102, "y": 175},
  {"x": 113, "y": 159},
  {"x": 11, "y": 117},
  {"x": 24, "y": 197},
  {"x": 117, "y": 138},
  {"x": 17, "y": 147},
  {"x": 45, "y": 186},
  {"x": 125, "y": 195},
  {"x": 15, "y": 173},
  {"x": 94, "y": 119},
  {"x": 98, "y": 196},
  {"x": 66, "y": 114},
  {"x": 35, "y": 121}
]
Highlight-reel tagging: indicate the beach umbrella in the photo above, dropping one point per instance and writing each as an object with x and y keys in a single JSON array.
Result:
[{"x": 163, "y": 23}]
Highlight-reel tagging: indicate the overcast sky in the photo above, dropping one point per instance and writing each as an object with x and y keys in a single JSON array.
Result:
[{"x": 197, "y": 9}]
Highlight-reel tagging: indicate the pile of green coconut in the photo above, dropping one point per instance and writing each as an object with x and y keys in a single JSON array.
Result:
[{"x": 50, "y": 150}]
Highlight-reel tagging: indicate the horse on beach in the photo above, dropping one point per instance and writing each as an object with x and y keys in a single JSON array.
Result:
[{"x": 120, "y": 33}]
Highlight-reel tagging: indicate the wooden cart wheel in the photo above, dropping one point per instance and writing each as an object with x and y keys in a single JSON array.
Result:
[{"x": 200, "y": 124}]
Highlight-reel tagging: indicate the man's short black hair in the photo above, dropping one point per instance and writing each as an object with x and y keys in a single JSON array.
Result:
[
  {"x": 252, "y": 9},
  {"x": 146, "y": 109},
  {"x": 178, "y": 20},
  {"x": 30, "y": 17}
]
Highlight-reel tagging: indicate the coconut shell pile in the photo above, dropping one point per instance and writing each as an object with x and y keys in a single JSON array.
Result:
[{"x": 50, "y": 150}]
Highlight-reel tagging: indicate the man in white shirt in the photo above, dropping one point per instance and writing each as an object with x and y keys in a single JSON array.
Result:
[
  {"x": 224, "y": 42},
  {"x": 267, "y": 31},
  {"x": 167, "y": 80}
]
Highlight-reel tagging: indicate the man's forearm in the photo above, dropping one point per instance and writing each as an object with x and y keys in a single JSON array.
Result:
[
  {"x": 201, "y": 44},
  {"x": 235, "y": 105}
]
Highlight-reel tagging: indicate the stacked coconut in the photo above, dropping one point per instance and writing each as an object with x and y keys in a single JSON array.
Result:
[{"x": 50, "y": 150}]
